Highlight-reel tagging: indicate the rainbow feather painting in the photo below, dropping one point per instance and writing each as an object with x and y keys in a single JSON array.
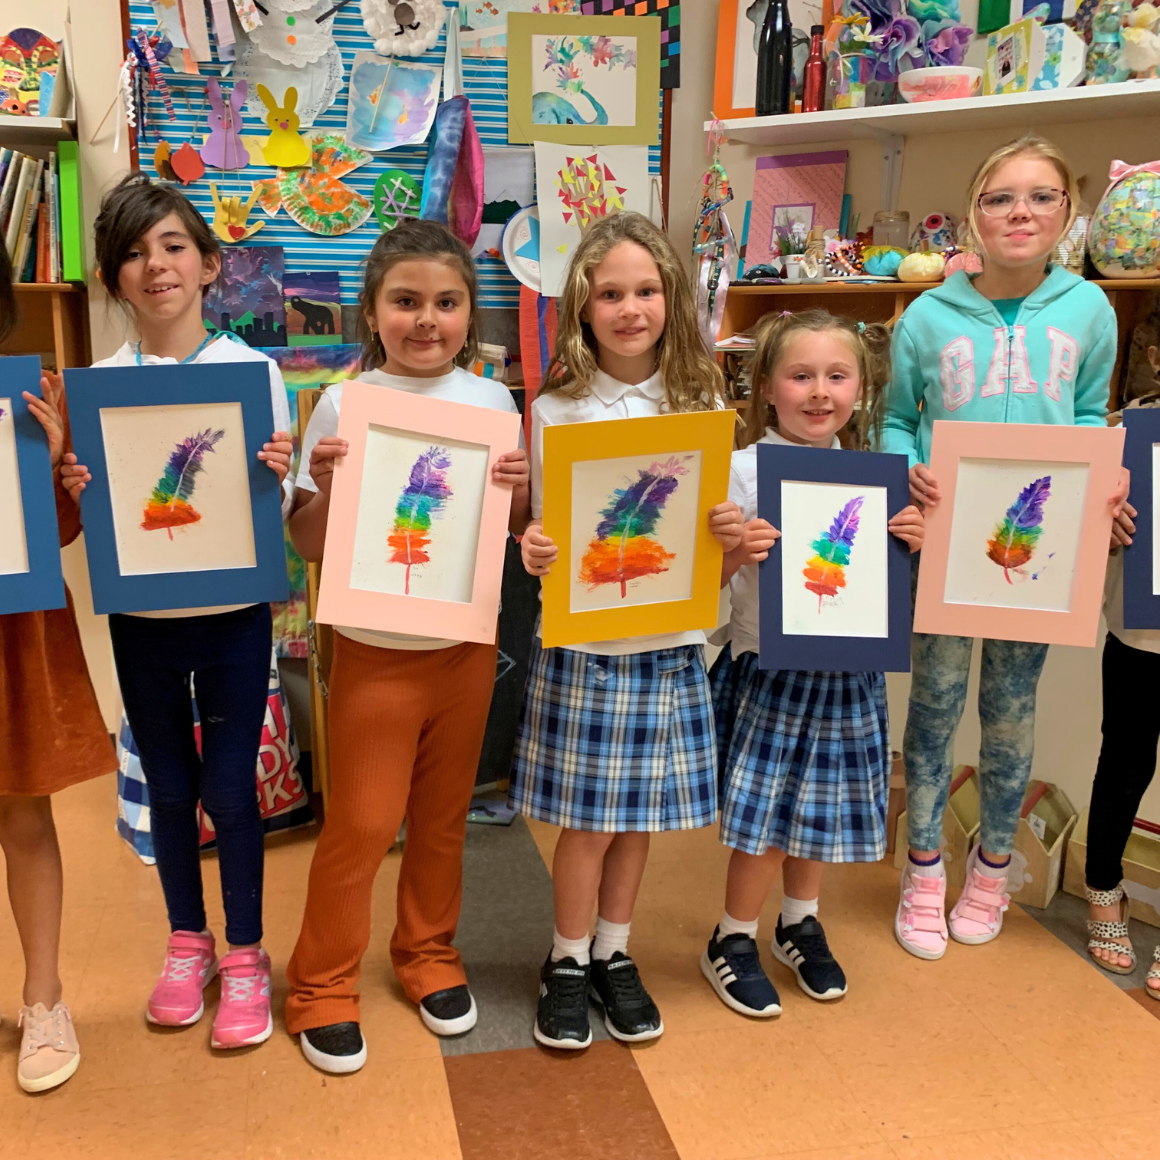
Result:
[
  {"x": 825, "y": 571},
  {"x": 423, "y": 497},
  {"x": 622, "y": 549},
  {"x": 1012, "y": 544},
  {"x": 168, "y": 506}
]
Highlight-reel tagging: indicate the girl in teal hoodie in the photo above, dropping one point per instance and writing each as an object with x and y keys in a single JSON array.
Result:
[{"x": 1022, "y": 342}]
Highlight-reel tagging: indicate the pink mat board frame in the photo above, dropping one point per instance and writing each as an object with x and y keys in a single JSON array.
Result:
[
  {"x": 364, "y": 405},
  {"x": 1099, "y": 447}
]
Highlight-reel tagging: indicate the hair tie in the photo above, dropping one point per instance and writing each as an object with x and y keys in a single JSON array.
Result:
[
  {"x": 785, "y": 314},
  {"x": 861, "y": 328}
]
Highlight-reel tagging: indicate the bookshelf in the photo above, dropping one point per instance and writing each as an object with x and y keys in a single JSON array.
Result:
[{"x": 54, "y": 324}]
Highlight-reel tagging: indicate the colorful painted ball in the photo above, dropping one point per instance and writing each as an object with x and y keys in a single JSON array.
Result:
[
  {"x": 1124, "y": 235},
  {"x": 936, "y": 231}
]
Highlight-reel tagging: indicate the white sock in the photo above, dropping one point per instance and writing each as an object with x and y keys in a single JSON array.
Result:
[
  {"x": 938, "y": 870},
  {"x": 610, "y": 938},
  {"x": 730, "y": 925},
  {"x": 795, "y": 910},
  {"x": 569, "y": 948}
]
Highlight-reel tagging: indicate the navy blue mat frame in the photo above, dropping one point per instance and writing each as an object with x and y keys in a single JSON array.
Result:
[{"x": 1142, "y": 433}]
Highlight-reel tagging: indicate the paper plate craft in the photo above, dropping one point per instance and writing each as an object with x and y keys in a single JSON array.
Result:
[
  {"x": 318, "y": 86},
  {"x": 403, "y": 27},
  {"x": 453, "y": 181},
  {"x": 285, "y": 147},
  {"x": 391, "y": 103},
  {"x": 30, "y": 60},
  {"x": 229, "y": 217},
  {"x": 315, "y": 197},
  {"x": 294, "y": 34},
  {"x": 521, "y": 247},
  {"x": 187, "y": 164},
  {"x": 223, "y": 148},
  {"x": 396, "y": 195}
]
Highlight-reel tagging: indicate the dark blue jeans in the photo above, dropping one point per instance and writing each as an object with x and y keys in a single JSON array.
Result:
[{"x": 228, "y": 657}]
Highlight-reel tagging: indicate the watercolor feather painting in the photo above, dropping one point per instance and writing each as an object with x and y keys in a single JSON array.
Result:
[
  {"x": 423, "y": 497},
  {"x": 168, "y": 506},
  {"x": 623, "y": 548},
  {"x": 1013, "y": 542},
  {"x": 825, "y": 571}
]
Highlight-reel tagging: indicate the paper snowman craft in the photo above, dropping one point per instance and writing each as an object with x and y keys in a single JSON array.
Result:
[{"x": 292, "y": 32}]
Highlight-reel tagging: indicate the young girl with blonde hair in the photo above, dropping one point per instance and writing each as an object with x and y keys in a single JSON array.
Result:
[
  {"x": 804, "y": 755},
  {"x": 1022, "y": 342},
  {"x": 616, "y": 739}
]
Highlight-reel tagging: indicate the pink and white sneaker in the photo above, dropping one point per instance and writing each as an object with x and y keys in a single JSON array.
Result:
[
  {"x": 190, "y": 966},
  {"x": 920, "y": 924},
  {"x": 977, "y": 917},
  {"x": 243, "y": 1018}
]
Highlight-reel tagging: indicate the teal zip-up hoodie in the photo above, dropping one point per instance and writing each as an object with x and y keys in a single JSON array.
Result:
[{"x": 953, "y": 354}]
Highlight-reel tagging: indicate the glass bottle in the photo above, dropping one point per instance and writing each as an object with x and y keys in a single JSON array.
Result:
[
  {"x": 775, "y": 61},
  {"x": 814, "y": 92}
]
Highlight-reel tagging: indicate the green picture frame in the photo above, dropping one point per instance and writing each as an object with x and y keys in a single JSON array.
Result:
[{"x": 572, "y": 100}]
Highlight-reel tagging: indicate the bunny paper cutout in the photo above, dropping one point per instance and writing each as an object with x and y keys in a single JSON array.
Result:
[
  {"x": 229, "y": 216},
  {"x": 223, "y": 148},
  {"x": 285, "y": 148}
]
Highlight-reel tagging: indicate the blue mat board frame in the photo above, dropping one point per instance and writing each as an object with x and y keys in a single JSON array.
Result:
[
  {"x": 849, "y": 654},
  {"x": 1141, "y": 433},
  {"x": 42, "y": 587},
  {"x": 97, "y": 388}
]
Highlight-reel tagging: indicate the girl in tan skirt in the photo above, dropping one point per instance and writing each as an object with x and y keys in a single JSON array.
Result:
[{"x": 51, "y": 736}]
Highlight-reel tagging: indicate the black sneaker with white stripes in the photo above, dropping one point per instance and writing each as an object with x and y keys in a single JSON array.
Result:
[
  {"x": 733, "y": 967},
  {"x": 562, "y": 1016},
  {"x": 803, "y": 948},
  {"x": 629, "y": 1012}
]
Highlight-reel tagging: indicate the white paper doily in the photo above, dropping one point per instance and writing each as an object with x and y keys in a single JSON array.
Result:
[
  {"x": 318, "y": 85},
  {"x": 296, "y": 38}
]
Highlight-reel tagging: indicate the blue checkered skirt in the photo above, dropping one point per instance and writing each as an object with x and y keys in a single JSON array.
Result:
[
  {"x": 617, "y": 743},
  {"x": 804, "y": 761}
]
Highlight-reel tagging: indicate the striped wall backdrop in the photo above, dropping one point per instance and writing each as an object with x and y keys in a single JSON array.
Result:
[{"x": 486, "y": 85}]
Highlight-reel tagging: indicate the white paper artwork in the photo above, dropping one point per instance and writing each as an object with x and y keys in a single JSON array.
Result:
[
  {"x": 141, "y": 444},
  {"x": 509, "y": 184},
  {"x": 634, "y": 530},
  {"x": 294, "y": 36},
  {"x": 840, "y": 588},
  {"x": 403, "y": 27},
  {"x": 1015, "y": 533},
  {"x": 584, "y": 80},
  {"x": 418, "y": 515},
  {"x": 13, "y": 545}
]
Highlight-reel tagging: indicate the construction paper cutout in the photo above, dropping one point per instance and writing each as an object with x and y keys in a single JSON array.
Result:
[
  {"x": 187, "y": 164},
  {"x": 318, "y": 86},
  {"x": 196, "y": 29},
  {"x": 531, "y": 248},
  {"x": 285, "y": 148},
  {"x": 162, "y": 162},
  {"x": 229, "y": 217},
  {"x": 391, "y": 103},
  {"x": 403, "y": 27},
  {"x": 223, "y": 148},
  {"x": 313, "y": 309},
  {"x": 169, "y": 16},
  {"x": 396, "y": 195},
  {"x": 295, "y": 37},
  {"x": 315, "y": 197},
  {"x": 246, "y": 297}
]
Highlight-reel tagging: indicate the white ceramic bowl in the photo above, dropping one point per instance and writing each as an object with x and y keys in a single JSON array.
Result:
[{"x": 940, "y": 83}]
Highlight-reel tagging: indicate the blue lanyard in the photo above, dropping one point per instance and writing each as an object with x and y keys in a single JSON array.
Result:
[{"x": 211, "y": 337}]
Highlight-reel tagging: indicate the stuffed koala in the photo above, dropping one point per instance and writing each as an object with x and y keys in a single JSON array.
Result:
[{"x": 403, "y": 27}]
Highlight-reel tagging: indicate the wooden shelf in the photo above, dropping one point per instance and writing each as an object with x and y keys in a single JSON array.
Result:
[
  {"x": 53, "y": 323},
  {"x": 36, "y": 130},
  {"x": 1022, "y": 110},
  {"x": 47, "y": 288}
]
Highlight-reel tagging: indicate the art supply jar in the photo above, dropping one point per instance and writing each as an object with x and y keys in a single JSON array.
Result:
[{"x": 892, "y": 228}]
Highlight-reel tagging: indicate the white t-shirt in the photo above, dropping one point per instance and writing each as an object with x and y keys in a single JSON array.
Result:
[
  {"x": 459, "y": 386},
  {"x": 222, "y": 350},
  {"x": 607, "y": 398},
  {"x": 743, "y": 622}
]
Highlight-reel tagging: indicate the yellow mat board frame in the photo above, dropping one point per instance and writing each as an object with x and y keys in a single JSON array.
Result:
[{"x": 710, "y": 433}]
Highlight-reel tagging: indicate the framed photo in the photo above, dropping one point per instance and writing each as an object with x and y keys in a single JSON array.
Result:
[
  {"x": 1018, "y": 546},
  {"x": 417, "y": 529},
  {"x": 1141, "y": 570},
  {"x": 627, "y": 502},
  {"x": 30, "y": 575},
  {"x": 835, "y": 590},
  {"x": 583, "y": 80},
  {"x": 180, "y": 512}
]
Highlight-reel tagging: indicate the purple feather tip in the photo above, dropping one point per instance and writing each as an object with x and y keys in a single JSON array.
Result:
[{"x": 845, "y": 524}]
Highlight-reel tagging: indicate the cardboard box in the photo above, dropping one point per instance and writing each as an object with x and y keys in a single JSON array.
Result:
[
  {"x": 896, "y": 801},
  {"x": 1015, "y": 57},
  {"x": 960, "y": 827},
  {"x": 1045, "y": 823},
  {"x": 1141, "y": 870}
]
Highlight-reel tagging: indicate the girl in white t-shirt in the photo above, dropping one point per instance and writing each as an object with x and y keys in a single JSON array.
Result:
[
  {"x": 407, "y": 713},
  {"x": 156, "y": 256},
  {"x": 616, "y": 738}
]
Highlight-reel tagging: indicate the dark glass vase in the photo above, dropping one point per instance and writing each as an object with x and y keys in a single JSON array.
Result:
[{"x": 775, "y": 61}]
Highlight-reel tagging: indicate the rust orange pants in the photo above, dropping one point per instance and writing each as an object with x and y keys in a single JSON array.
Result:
[{"x": 406, "y": 729}]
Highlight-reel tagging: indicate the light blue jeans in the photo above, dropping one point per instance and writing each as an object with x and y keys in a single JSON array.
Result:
[{"x": 938, "y": 693}]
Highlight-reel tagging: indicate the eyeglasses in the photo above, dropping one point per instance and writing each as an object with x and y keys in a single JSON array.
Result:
[{"x": 1038, "y": 201}]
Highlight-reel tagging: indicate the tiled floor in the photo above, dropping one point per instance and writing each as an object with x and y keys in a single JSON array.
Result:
[{"x": 1019, "y": 1049}]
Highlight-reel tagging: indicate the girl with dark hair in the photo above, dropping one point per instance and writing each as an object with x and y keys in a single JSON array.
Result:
[
  {"x": 156, "y": 257},
  {"x": 407, "y": 713}
]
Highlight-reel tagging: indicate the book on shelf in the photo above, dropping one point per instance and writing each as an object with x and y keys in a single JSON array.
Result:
[{"x": 40, "y": 214}]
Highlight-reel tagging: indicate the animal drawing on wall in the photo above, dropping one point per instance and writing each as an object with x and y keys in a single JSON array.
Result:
[
  {"x": 313, "y": 308},
  {"x": 403, "y": 27},
  {"x": 584, "y": 80}
]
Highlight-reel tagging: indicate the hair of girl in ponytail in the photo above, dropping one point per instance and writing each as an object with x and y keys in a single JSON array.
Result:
[
  {"x": 692, "y": 379},
  {"x": 870, "y": 342},
  {"x": 414, "y": 240}
]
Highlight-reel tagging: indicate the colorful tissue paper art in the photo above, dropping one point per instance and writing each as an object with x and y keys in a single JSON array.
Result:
[
  {"x": 670, "y": 13},
  {"x": 584, "y": 80},
  {"x": 247, "y": 297},
  {"x": 421, "y": 500},
  {"x": 168, "y": 506},
  {"x": 588, "y": 190},
  {"x": 316, "y": 197},
  {"x": 825, "y": 571},
  {"x": 1015, "y": 537},
  {"x": 623, "y": 548},
  {"x": 29, "y": 61},
  {"x": 483, "y": 23},
  {"x": 313, "y": 309},
  {"x": 391, "y": 103}
]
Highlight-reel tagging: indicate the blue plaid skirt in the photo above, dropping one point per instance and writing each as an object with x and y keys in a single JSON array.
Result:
[
  {"x": 617, "y": 743},
  {"x": 804, "y": 761}
]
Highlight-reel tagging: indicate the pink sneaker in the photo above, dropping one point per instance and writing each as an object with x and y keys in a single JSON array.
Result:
[
  {"x": 243, "y": 1017},
  {"x": 920, "y": 923},
  {"x": 977, "y": 917},
  {"x": 190, "y": 966}
]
